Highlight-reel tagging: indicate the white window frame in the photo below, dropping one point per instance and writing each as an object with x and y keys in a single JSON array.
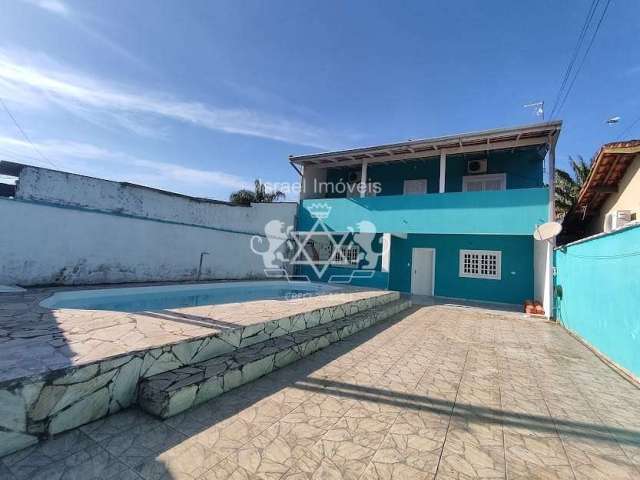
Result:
[
  {"x": 485, "y": 178},
  {"x": 414, "y": 180},
  {"x": 347, "y": 256},
  {"x": 478, "y": 274}
]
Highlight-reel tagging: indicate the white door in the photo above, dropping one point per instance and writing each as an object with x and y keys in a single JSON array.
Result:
[{"x": 423, "y": 262}]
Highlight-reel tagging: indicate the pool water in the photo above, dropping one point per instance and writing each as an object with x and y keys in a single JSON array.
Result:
[{"x": 137, "y": 299}]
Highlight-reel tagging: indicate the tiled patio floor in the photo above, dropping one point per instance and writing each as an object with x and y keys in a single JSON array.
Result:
[{"x": 439, "y": 392}]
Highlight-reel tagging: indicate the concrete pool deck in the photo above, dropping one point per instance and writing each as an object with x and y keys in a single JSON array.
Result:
[
  {"x": 62, "y": 368},
  {"x": 435, "y": 392}
]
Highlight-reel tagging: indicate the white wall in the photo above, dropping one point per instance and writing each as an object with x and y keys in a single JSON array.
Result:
[
  {"x": 51, "y": 186},
  {"x": 42, "y": 244},
  {"x": 312, "y": 176},
  {"x": 627, "y": 198}
]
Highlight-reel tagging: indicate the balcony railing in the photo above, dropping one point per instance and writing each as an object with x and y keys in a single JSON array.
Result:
[{"x": 506, "y": 212}]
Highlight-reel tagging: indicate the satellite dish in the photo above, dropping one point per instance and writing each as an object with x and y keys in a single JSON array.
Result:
[{"x": 547, "y": 231}]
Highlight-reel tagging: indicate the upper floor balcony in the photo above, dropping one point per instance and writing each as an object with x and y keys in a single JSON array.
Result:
[
  {"x": 505, "y": 212},
  {"x": 479, "y": 183}
]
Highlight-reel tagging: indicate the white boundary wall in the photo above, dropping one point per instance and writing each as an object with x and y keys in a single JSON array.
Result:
[
  {"x": 44, "y": 244},
  {"x": 53, "y": 187}
]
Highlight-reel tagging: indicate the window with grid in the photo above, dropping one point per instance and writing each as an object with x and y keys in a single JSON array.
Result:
[
  {"x": 481, "y": 183},
  {"x": 480, "y": 264},
  {"x": 346, "y": 256}
]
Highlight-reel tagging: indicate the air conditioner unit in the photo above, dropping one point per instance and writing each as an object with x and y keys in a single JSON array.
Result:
[
  {"x": 621, "y": 218},
  {"x": 477, "y": 166}
]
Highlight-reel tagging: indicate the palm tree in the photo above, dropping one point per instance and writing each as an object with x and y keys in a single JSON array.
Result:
[
  {"x": 259, "y": 195},
  {"x": 568, "y": 186}
]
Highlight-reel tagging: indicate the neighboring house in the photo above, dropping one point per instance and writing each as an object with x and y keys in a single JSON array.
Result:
[
  {"x": 610, "y": 198},
  {"x": 453, "y": 216}
]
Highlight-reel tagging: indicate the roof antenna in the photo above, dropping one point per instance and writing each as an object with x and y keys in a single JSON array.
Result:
[{"x": 538, "y": 108}]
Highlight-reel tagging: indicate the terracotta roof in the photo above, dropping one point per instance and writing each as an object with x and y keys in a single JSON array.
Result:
[{"x": 608, "y": 168}]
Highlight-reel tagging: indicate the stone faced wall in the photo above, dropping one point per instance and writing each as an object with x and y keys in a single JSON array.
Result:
[{"x": 35, "y": 407}]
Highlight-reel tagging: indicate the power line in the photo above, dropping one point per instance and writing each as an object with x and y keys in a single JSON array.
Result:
[
  {"x": 558, "y": 107},
  {"x": 629, "y": 128},
  {"x": 574, "y": 56},
  {"x": 24, "y": 134},
  {"x": 586, "y": 53},
  {"x": 17, "y": 156}
]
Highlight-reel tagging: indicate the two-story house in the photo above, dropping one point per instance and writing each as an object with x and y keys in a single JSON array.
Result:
[{"x": 452, "y": 216}]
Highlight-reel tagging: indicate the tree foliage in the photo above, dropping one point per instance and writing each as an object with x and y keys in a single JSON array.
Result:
[
  {"x": 258, "y": 195},
  {"x": 568, "y": 185}
]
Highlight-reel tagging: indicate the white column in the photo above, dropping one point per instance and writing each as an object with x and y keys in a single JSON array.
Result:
[
  {"x": 443, "y": 171},
  {"x": 386, "y": 251},
  {"x": 363, "y": 179}
]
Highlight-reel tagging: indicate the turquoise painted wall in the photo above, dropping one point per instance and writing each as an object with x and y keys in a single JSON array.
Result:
[
  {"x": 600, "y": 281},
  {"x": 524, "y": 169},
  {"x": 515, "y": 286},
  {"x": 378, "y": 280},
  {"x": 508, "y": 212},
  {"x": 392, "y": 177}
]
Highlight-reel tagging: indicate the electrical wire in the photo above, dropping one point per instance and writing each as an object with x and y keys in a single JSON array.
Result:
[
  {"x": 629, "y": 128},
  {"x": 24, "y": 134},
  {"x": 561, "y": 98},
  {"x": 17, "y": 156},
  {"x": 586, "y": 54},
  {"x": 574, "y": 56}
]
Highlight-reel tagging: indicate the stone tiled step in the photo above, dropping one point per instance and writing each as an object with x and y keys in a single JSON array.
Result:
[
  {"x": 175, "y": 391},
  {"x": 37, "y": 406}
]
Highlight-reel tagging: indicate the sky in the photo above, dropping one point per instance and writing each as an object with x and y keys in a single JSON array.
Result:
[{"x": 201, "y": 97}]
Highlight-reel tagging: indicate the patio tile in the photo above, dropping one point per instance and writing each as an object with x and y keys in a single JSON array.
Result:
[
  {"x": 513, "y": 398},
  {"x": 28, "y": 462},
  {"x": 92, "y": 462},
  {"x": 228, "y": 470},
  {"x": 140, "y": 445},
  {"x": 405, "y": 456},
  {"x": 526, "y": 454},
  {"x": 468, "y": 460},
  {"x": 185, "y": 461}
]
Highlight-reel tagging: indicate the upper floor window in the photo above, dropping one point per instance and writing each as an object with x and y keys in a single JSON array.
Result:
[
  {"x": 415, "y": 187},
  {"x": 481, "y": 183}
]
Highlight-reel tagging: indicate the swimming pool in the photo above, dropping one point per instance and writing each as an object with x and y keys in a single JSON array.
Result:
[{"x": 137, "y": 299}]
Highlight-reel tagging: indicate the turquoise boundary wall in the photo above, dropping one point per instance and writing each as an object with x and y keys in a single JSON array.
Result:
[
  {"x": 600, "y": 302},
  {"x": 515, "y": 285}
]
